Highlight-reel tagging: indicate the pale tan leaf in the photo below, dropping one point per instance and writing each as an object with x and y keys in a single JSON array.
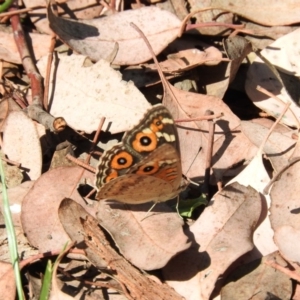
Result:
[
  {"x": 158, "y": 237},
  {"x": 82, "y": 95},
  {"x": 39, "y": 215},
  {"x": 285, "y": 211},
  {"x": 21, "y": 143},
  {"x": 285, "y": 237},
  {"x": 101, "y": 38}
]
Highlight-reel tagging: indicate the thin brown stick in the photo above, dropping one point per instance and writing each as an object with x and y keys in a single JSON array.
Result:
[
  {"x": 14, "y": 163},
  {"x": 277, "y": 175},
  {"x": 269, "y": 94},
  {"x": 210, "y": 143},
  {"x": 215, "y": 24},
  {"x": 20, "y": 11},
  {"x": 95, "y": 140},
  {"x": 203, "y": 118},
  {"x": 48, "y": 71},
  {"x": 35, "y": 110},
  {"x": 80, "y": 163},
  {"x": 290, "y": 273},
  {"x": 166, "y": 85}
]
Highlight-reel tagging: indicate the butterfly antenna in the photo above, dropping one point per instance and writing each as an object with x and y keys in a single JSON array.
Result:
[{"x": 185, "y": 177}]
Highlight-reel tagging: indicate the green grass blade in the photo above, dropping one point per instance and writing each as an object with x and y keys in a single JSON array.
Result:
[
  {"x": 46, "y": 281},
  {"x": 11, "y": 236}
]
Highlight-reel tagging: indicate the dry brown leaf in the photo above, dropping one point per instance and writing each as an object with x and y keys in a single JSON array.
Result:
[
  {"x": 265, "y": 12},
  {"x": 39, "y": 214},
  {"x": 102, "y": 38},
  {"x": 258, "y": 281},
  {"x": 158, "y": 237},
  {"x": 187, "y": 59},
  {"x": 21, "y": 143},
  {"x": 256, "y": 176},
  {"x": 285, "y": 212},
  {"x": 210, "y": 16},
  {"x": 283, "y": 54},
  {"x": 98, "y": 250},
  {"x": 221, "y": 235},
  {"x": 7, "y": 281},
  {"x": 83, "y": 95},
  {"x": 9, "y": 51},
  {"x": 87, "y": 9},
  {"x": 230, "y": 145},
  {"x": 278, "y": 148}
]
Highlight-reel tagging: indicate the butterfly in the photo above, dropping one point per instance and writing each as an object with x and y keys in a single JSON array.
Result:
[{"x": 146, "y": 165}]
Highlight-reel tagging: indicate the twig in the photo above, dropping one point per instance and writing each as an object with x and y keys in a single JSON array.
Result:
[
  {"x": 48, "y": 71},
  {"x": 34, "y": 110},
  {"x": 80, "y": 163},
  {"x": 284, "y": 270},
  {"x": 19, "y": 11},
  {"x": 203, "y": 118},
  {"x": 277, "y": 175},
  {"x": 95, "y": 140},
  {"x": 269, "y": 94},
  {"x": 210, "y": 143}
]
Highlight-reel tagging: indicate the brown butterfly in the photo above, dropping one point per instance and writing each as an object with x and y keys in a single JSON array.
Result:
[{"x": 146, "y": 165}]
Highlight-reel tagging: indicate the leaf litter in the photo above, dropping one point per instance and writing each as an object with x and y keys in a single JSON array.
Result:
[{"x": 242, "y": 245}]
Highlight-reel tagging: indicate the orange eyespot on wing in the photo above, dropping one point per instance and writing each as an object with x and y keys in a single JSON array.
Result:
[
  {"x": 122, "y": 160},
  {"x": 148, "y": 169},
  {"x": 144, "y": 142},
  {"x": 112, "y": 175},
  {"x": 157, "y": 124}
]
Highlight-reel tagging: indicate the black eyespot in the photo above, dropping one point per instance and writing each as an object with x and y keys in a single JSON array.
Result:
[
  {"x": 145, "y": 141},
  {"x": 148, "y": 169},
  {"x": 158, "y": 123},
  {"x": 122, "y": 161}
]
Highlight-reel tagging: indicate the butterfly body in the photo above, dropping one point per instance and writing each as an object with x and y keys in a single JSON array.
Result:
[{"x": 146, "y": 165}]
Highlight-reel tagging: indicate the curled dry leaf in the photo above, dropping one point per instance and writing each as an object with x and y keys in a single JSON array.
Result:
[
  {"x": 39, "y": 214},
  {"x": 21, "y": 143},
  {"x": 221, "y": 235},
  {"x": 113, "y": 36},
  {"x": 158, "y": 237},
  {"x": 71, "y": 215},
  {"x": 285, "y": 212},
  {"x": 257, "y": 280},
  {"x": 188, "y": 59},
  {"x": 102, "y": 91}
]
